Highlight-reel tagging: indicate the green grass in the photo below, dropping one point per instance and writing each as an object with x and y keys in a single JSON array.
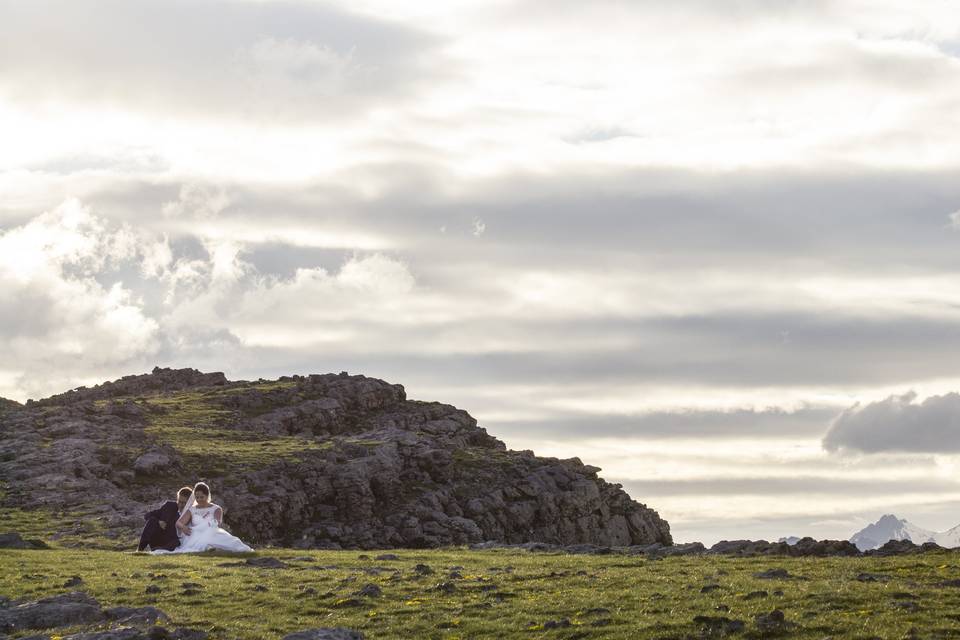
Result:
[
  {"x": 504, "y": 593},
  {"x": 63, "y": 528},
  {"x": 196, "y": 425},
  {"x": 221, "y": 451}
]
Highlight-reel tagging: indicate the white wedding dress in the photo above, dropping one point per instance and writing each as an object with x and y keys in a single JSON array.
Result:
[{"x": 206, "y": 534}]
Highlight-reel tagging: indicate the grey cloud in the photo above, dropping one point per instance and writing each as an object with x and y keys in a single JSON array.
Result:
[
  {"x": 734, "y": 351},
  {"x": 844, "y": 63},
  {"x": 600, "y": 134},
  {"x": 296, "y": 60},
  {"x": 835, "y": 485},
  {"x": 898, "y": 424},
  {"x": 870, "y": 222},
  {"x": 938, "y": 514},
  {"x": 730, "y": 12},
  {"x": 768, "y": 423},
  {"x": 130, "y": 161},
  {"x": 282, "y": 260}
]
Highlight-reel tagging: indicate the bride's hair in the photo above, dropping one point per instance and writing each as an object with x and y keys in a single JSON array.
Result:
[{"x": 202, "y": 488}]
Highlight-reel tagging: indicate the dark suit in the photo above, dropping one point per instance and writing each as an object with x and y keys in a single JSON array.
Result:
[{"x": 159, "y": 537}]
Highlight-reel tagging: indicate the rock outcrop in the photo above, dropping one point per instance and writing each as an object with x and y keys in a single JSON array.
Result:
[
  {"x": 320, "y": 461},
  {"x": 78, "y": 608},
  {"x": 8, "y": 405}
]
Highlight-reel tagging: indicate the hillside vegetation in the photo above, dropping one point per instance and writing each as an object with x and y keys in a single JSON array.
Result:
[{"x": 457, "y": 593}]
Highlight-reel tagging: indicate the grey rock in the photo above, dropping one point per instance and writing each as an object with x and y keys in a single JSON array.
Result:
[
  {"x": 388, "y": 472},
  {"x": 719, "y": 625},
  {"x": 136, "y": 615},
  {"x": 161, "y": 460},
  {"x": 805, "y": 547},
  {"x": 872, "y": 577},
  {"x": 326, "y": 633},
  {"x": 954, "y": 583},
  {"x": 56, "y": 611},
  {"x": 445, "y": 587},
  {"x": 13, "y": 540},
  {"x": 773, "y": 623},
  {"x": 897, "y": 548},
  {"x": 369, "y": 590},
  {"x": 121, "y": 633},
  {"x": 773, "y": 574}
]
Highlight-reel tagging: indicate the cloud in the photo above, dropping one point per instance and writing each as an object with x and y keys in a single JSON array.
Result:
[
  {"x": 897, "y": 423},
  {"x": 758, "y": 423},
  {"x": 692, "y": 222},
  {"x": 56, "y": 319},
  {"x": 198, "y": 200},
  {"x": 594, "y": 134},
  {"x": 92, "y": 298},
  {"x": 226, "y": 58},
  {"x": 479, "y": 226},
  {"x": 773, "y": 486}
]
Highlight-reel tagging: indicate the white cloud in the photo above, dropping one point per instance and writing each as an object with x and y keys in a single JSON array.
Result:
[
  {"x": 157, "y": 258},
  {"x": 55, "y": 316},
  {"x": 199, "y": 201},
  {"x": 295, "y": 68},
  {"x": 479, "y": 226}
]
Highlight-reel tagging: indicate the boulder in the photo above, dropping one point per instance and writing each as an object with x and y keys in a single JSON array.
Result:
[
  {"x": 13, "y": 540},
  {"x": 325, "y": 633},
  {"x": 157, "y": 461},
  {"x": 56, "y": 611}
]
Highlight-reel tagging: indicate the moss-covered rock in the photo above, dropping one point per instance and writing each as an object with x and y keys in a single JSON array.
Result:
[{"x": 330, "y": 461}]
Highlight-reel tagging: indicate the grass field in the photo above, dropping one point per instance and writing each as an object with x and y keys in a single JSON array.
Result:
[{"x": 509, "y": 593}]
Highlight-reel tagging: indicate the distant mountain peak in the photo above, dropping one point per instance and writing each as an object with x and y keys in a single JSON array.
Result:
[{"x": 890, "y": 527}]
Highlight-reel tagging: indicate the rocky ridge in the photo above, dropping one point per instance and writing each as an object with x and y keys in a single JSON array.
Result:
[
  {"x": 803, "y": 548},
  {"x": 318, "y": 461}
]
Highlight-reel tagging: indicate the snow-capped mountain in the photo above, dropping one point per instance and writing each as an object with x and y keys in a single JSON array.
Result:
[
  {"x": 949, "y": 538},
  {"x": 890, "y": 527}
]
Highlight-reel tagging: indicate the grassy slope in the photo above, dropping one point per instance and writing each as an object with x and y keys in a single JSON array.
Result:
[{"x": 644, "y": 598}]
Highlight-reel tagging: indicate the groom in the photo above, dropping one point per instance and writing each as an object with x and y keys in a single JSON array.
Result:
[{"x": 160, "y": 531}]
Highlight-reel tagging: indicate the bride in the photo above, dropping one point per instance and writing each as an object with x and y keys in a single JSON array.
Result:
[{"x": 199, "y": 526}]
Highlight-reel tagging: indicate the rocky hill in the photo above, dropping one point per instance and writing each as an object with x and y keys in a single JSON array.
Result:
[{"x": 319, "y": 461}]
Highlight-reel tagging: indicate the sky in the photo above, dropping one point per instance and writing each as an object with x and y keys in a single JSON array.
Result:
[{"x": 712, "y": 248}]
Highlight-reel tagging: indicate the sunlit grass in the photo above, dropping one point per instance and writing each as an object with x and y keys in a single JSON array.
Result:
[
  {"x": 197, "y": 425},
  {"x": 504, "y": 593}
]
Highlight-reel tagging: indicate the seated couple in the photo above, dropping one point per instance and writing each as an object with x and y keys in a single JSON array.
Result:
[{"x": 195, "y": 519}]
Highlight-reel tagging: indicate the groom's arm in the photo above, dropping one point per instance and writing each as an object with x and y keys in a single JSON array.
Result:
[
  {"x": 153, "y": 514},
  {"x": 168, "y": 513}
]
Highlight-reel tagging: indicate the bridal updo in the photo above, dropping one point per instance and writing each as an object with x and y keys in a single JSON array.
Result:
[{"x": 202, "y": 488}]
